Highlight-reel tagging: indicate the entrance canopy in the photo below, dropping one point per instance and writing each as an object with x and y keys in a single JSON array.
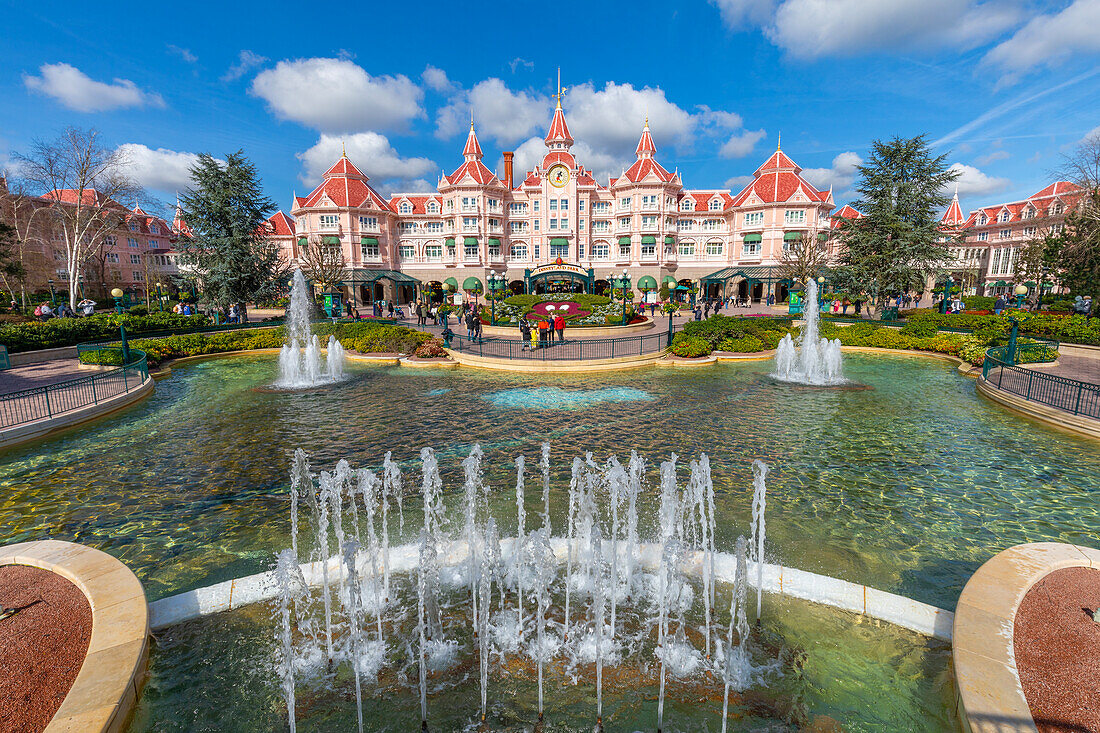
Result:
[
  {"x": 762, "y": 274},
  {"x": 647, "y": 282},
  {"x": 363, "y": 277},
  {"x": 560, "y": 271},
  {"x": 471, "y": 285}
]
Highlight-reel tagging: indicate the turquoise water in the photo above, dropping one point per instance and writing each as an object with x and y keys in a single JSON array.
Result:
[{"x": 908, "y": 487}]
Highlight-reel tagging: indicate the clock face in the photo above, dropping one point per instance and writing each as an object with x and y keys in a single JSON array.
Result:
[{"x": 558, "y": 176}]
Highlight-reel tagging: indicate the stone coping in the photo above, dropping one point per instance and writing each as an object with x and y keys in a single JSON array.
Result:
[
  {"x": 107, "y": 685},
  {"x": 26, "y": 432},
  {"x": 990, "y": 697},
  {"x": 1052, "y": 416},
  {"x": 862, "y": 600},
  {"x": 556, "y": 366}
]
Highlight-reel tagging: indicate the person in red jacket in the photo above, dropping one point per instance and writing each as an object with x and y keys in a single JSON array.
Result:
[{"x": 559, "y": 326}]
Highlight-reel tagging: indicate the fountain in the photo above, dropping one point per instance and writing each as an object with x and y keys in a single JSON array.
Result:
[
  {"x": 300, "y": 357},
  {"x": 812, "y": 360},
  {"x": 632, "y": 603}
]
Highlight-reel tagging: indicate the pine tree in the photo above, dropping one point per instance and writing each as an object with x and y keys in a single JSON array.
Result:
[
  {"x": 230, "y": 253},
  {"x": 895, "y": 245}
]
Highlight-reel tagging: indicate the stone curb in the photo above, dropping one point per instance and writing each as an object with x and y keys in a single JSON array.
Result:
[
  {"x": 110, "y": 678},
  {"x": 990, "y": 697},
  {"x": 555, "y": 366}
]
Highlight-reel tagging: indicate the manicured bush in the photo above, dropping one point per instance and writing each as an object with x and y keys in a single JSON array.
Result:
[
  {"x": 743, "y": 345},
  {"x": 58, "y": 332},
  {"x": 431, "y": 349},
  {"x": 102, "y": 357},
  {"x": 920, "y": 329},
  {"x": 690, "y": 347}
]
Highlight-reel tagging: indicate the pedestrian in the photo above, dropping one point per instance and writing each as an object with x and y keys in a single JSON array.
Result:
[
  {"x": 559, "y": 326},
  {"x": 186, "y": 309},
  {"x": 544, "y": 332},
  {"x": 698, "y": 313},
  {"x": 476, "y": 323},
  {"x": 706, "y": 309},
  {"x": 1087, "y": 307},
  {"x": 525, "y": 333},
  {"x": 534, "y": 335},
  {"x": 389, "y": 308},
  {"x": 859, "y": 307},
  {"x": 999, "y": 304}
]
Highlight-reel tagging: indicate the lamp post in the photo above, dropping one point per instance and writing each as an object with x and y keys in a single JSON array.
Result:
[
  {"x": 117, "y": 295},
  {"x": 1043, "y": 272},
  {"x": 496, "y": 283},
  {"x": 52, "y": 303},
  {"x": 160, "y": 298},
  {"x": 820, "y": 291},
  {"x": 626, "y": 285},
  {"x": 1020, "y": 291},
  {"x": 946, "y": 293}
]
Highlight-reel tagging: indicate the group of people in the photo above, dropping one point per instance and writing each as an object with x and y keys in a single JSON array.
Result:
[
  {"x": 45, "y": 311},
  {"x": 542, "y": 333},
  {"x": 184, "y": 309}
]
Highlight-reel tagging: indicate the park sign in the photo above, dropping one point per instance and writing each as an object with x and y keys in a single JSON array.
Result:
[{"x": 559, "y": 266}]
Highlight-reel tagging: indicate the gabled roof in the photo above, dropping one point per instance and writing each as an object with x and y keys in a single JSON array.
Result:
[
  {"x": 845, "y": 212},
  {"x": 645, "y": 167},
  {"x": 345, "y": 186},
  {"x": 777, "y": 181},
  {"x": 1066, "y": 192},
  {"x": 282, "y": 225},
  {"x": 476, "y": 170},
  {"x": 90, "y": 196},
  {"x": 701, "y": 200}
]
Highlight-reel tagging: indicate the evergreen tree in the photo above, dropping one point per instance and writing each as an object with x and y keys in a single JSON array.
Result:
[
  {"x": 230, "y": 254},
  {"x": 895, "y": 245}
]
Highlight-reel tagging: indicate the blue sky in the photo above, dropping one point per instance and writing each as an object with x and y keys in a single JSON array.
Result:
[{"x": 1004, "y": 87}]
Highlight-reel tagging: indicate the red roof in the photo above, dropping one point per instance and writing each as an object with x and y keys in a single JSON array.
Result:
[
  {"x": 473, "y": 148},
  {"x": 646, "y": 148},
  {"x": 419, "y": 202},
  {"x": 90, "y": 196},
  {"x": 559, "y": 131},
  {"x": 644, "y": 167},
  {"x": 476, "y": 170},
  {"x": 777, "y": 180},
  {"x": 559, "y": 156},
  {"x": 954, "y": 214},
  {"x": 282, "y": 225},
  {"x": 1066, "y": 192},
  {"x": 845, "y": 212},
  {"x": 701, "y": 199},
  {"x": 345, "y": 186}
]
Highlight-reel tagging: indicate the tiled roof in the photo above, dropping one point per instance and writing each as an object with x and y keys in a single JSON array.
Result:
[
  {"x": 419, "y": 201},
  {"x": 845, "y": 212},
  {"x": 473, "y": 147},
  {"x": 345, "y": 186},
  {"x": 645, "y": 167},
  {"x": 777, "y": 180},
  {"x": 476, "y": 170},
  {"x": 645, "y": 148},
  {"x": 282, "y": 224},
  {"x": 559, "y": 131}
]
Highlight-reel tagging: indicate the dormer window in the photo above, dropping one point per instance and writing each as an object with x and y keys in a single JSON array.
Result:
[
  {"x": 433, "y": 207},
  {"x": 1057, "y": 208},
  {"x": 1004, "y": 216},
  {"x": 983, "y": 219},
  {"x": 687, "y": 205},
  {"x": 405, "y": 208},
  {"x": 716, "y": 204}
]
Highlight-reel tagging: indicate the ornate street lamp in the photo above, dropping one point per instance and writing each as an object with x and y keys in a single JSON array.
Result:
[
  {"x": 946, "y": 293},
  {"x": 820, "y": 291},
  {"x": 497, "y": 282},
  {"x": 160, "y": 298},
  {"x": 117, "y": 295},
  {"x": 625, "y": 282},
  {"x": 1020, "y": 291}
]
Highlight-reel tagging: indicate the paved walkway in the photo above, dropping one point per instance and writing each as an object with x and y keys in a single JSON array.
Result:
[
  {"x": 1081, "y": 368},
  {"x": 39, "y": 374}
]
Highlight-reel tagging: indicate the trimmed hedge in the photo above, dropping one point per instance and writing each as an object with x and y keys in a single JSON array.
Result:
[
  {"x": 58, "y": 332},
  {"x": 1074, "y": 329},
  {"x": 359, "y": 336}
]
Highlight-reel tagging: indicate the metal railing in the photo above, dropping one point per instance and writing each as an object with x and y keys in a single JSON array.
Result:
[
  {"x": 567, "y": 350},
  {"x": 1071, "y": 395},
  {"x": 40, "y": 403}
]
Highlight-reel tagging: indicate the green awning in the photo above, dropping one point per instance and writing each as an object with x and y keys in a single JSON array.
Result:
[
  {"x": 302, "y": 241},
  {"x": 670, "y": 240},
  {"x": 452, "y": 282},
  {"x": 753, "y": 238},
  {"x": 1000, "y": 284},
  {"x": 449, "y": 241},
  {"x": 558, "y": 241},
  {"x": 470, "y": 242},
  {"x": 471, "y": 284},
  {"x": 361, "y": 277},
  {"x": 649, "y": 239},
  {"x": 669, "y": 279},
  {"x": 335, "y": 241},
  {"x": 1030, "y": 284},
  {"x": 624, "y": 240},
  {"x": 494, "y": 242},
  {"x": 792, "y": 236},
  {"x": 369, "y": 240},
  {"x": 822, "y": 236},
  {"x": 647, "y": 282}
]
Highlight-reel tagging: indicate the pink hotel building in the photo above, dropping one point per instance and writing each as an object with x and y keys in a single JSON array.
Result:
[{"x": 558, "y": 226}]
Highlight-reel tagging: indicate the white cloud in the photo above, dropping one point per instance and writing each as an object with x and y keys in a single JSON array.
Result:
[
  {"x": 76, "y": 90},
  {"x": 246, "y": 61},
  {"x": 1049, "y": 39},
  {"x": 840, "y": 175},
  {"x": 972, "y": 182},
  {"x": 1093, "y": 133},
  {"x": 738, "y": 146},
  {"x": 815, "y": 28},
  {"x": 528, "y": 154},
  {"x": 737, "y": 183},
  {"x": 991, "y": 157},
  {"x": 372, "y": 154},
  {"x": 183, "y": 53},
  {"x": 500, "y": 113},
  {"x": 437, "y": 80},
  {"x": 518, "y": 62},
  {"x": 337, "y": 95},
  {"x": 610, "y": 119},
  {"x": 160, "y": 169}
]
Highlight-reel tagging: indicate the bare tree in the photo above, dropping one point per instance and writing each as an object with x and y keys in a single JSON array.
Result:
[
  {"x": 323, "y": 262},
  {"x": 805, "y": 258},
  {"x": 20, "y": 211},
  {"x": 85, "y": 186}
]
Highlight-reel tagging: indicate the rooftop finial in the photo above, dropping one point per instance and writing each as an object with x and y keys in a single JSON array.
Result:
[
  {"x": 778, "y": 142},
  {"x": 471, "y": 119},
  {"x": 343, "y": 150},
  {"x": 561, "y": 90}
]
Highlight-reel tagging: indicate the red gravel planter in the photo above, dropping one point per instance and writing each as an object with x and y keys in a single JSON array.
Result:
[
  {"x": 43, "y": 640},
  {"x": 100, "y": 656},
  {"x": 1057, "y": 647}
]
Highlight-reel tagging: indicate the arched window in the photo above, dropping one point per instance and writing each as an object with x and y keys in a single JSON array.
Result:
[
  {"x": 433, "y": 207},
  {"x": 519, "y": 251},
  {"x": 716, "y": 204},
  {"x": 405, "y": 208}
]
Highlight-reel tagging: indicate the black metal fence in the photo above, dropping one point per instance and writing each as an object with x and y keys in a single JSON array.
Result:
[
  {"x": 1071, "y": 395},
  {"x": 567, "y": 350},
  {"x": 39, "y": 403}
]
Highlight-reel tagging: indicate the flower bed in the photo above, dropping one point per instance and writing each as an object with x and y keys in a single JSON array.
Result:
[{"x": 581, "y": 309}]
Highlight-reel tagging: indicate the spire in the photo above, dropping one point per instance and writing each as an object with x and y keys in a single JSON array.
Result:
[
  {"x": 558, "y": 137},
  {"x": 343, "y": 150},
  {"x": 779, "y": 142},
  {"x": 472, "y": 151},
  {"x": 954, "y": 214},
  {"x": 646, "y": 148}
]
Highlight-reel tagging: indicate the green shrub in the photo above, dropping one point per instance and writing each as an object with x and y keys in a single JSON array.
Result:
[
  {"x": 920, "y": 329},
  {"x": 58, "y": 332},
  {"x": 743, "y": 345},
  {"x": 431, "y": 349},
  {"x": 102, "y": 357},
  {"x": 690, "y": 347}
]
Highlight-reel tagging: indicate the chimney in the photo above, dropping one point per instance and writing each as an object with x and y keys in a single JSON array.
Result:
[{"x": 508, "y": 168}]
